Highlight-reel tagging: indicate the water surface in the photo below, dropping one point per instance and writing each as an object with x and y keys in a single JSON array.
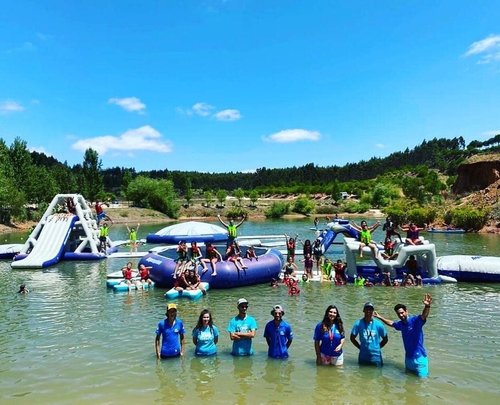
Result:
[{"x": 72, "y": 341}]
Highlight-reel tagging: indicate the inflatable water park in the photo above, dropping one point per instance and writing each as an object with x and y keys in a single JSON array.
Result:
[
  {"x": 62, "y": 234},
  {"x": 73, "y": 234},
  {"x": 262, "y": 269}
]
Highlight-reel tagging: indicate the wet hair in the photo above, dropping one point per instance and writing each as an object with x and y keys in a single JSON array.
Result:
[
  {"x": 399, "y": 306},
  {"x": 337, "y": 321}
]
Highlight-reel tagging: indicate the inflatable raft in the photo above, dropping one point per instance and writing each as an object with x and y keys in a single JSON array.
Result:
[
  {"x": 470, "y": 268},
  {"x": 122, "y": 286},
  {"x": 268, "y": 266},
  {"x": 190, "y": 294}
]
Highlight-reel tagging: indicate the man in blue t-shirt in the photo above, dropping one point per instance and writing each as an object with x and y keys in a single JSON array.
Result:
[
  {"x": 171, "y": 332},
  {"x": 241, "y": 330},
  {"x": 413, "y": 336},
  {"x": 278, "y": 334},
  {"x": 372, "y": 337}
]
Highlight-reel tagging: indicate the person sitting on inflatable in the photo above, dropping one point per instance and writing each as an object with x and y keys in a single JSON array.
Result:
[
  {"x": 412, "y": 233},
  {"x": 365, "y": 237}
]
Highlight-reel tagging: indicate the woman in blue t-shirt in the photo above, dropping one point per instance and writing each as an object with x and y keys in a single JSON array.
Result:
[
  {"x": 329, "y": 338},
  {"x": 205, "y": 335}
]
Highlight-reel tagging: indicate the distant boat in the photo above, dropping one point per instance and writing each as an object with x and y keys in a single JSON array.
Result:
[{"x": 446, "y": 230}]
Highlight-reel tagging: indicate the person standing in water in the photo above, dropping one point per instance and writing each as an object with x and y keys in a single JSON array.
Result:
[
  {"x": 372, "y": 337},
  {"x": 241, "y": 330},
  {"x": 170, "y": 332},
  {"x": 278, "y": 334},
  {"x": 411, "y": 328},
  {"x": 205, "y": 335}
]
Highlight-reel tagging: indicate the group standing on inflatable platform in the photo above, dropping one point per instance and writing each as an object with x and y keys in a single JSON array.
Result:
[{"x": 368, "y": 335}]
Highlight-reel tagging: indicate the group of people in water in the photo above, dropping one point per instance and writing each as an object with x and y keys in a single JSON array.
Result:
[
  {"x": 365, "y": 237},
  {"x": 368, "y": 335}
]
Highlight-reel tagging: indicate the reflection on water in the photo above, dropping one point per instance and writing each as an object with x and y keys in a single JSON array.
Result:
[{"x": 70, "y": 340}]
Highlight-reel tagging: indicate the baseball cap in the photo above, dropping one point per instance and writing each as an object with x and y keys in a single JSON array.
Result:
[
  {"x": 368, "y": 305},
  {"x": 171, "y": 306},
  {"x": 242, "y": 301},
  {"x": 278, "y": 308}
]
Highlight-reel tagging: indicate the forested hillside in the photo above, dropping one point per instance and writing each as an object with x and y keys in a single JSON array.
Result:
[{"x": 421, "y": 174}]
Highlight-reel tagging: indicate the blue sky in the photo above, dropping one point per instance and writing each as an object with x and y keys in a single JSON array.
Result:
[{"x": 235, "y": 85}]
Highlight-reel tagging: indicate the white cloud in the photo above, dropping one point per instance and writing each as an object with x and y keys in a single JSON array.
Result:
[
  {"x": 40, "y": 149},
  {"x": 139, "y": 139},
  {"x": 228, "y": 115},
  {"x": 206, "y": 110},
  {"x": 132, "y": 104},
  {"x": 202, "y": 109},
  {"x": 488, "y": 49},
  {"x": 9, "y": 107},
  {"x": 293, "y": 135}
]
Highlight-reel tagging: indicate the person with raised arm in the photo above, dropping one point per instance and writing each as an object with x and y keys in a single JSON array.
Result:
[
  {"x": 411, "y": 328},
  {"x": 232, "y": 229}
]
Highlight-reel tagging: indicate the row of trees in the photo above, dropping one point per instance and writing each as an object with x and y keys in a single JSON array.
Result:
[{"x": 31, "y": 178}]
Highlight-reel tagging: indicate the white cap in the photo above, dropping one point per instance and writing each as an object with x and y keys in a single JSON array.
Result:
[{"x": 242, "y": 301}]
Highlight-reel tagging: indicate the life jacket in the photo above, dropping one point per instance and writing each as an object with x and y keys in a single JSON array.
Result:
[
  {"x": 132, "y": 235},
  {"x": 104, "y": 231},
  {"x": 366, "y": 236},
  {"x": 231, "y": 230}
]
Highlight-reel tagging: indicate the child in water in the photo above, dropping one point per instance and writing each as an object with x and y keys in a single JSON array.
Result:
[{"x": 23, "y": 289}]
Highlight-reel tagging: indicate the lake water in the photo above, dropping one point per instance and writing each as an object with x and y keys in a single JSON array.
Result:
[{"x": 70, "y": 340}]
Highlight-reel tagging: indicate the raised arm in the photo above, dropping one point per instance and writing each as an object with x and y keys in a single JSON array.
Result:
[
  {"x": 355, "y": 226},
  {"x": 221, "y": 221},
  {"x": 375, "y": 226},
  {"x": 427, "y": 306},
  {"x": 242, "y": 220},
  {"x": 388, "y": 322}
]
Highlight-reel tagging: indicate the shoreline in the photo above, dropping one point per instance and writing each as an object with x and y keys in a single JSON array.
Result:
[{"x": 133, "y": 215}]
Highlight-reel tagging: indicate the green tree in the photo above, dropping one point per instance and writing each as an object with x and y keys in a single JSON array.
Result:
[
  {"x": 335, "y": 190},
  {"x": 277, "y": 210},
  {"x": 45, "y": 188},
  {"x": 239, "y": 194},
  {"x": 254, "y": 196},
  {"x": 221, "y": 196},
  {"x": 303, "y": 205},
  {"x": 209, "y": 197},
  {"x": 155, "y": 194},
  {"x": 20, "y": 162},
  {"x": 91, "y": 170},
  {"x": 187, "y": 190}
]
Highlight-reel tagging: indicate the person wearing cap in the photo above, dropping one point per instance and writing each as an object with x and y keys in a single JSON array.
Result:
[
  {"x": 278, "y": 334},
  {"x": 329, "y": 337},
  {"x": 372, "y": 337},
  {"x": 171, "y": 332},
  {"x": 413, "y": 336},
  {"x": 241, "y": 330}
]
